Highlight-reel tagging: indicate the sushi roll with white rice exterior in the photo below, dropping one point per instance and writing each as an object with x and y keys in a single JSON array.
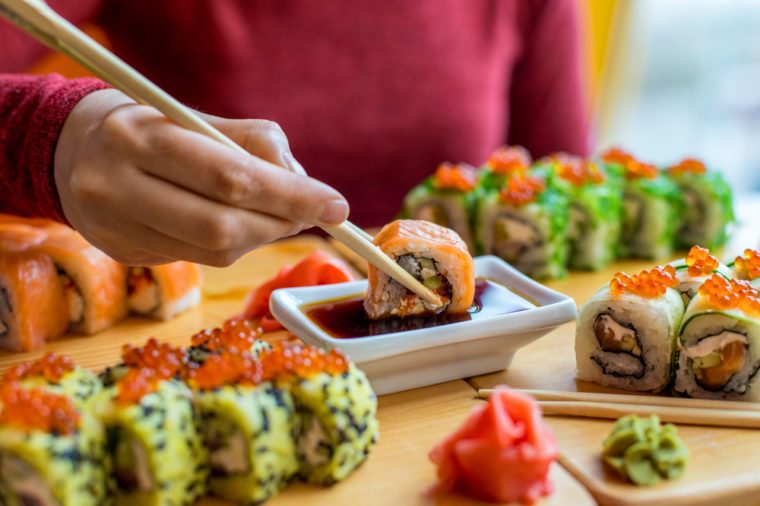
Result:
[
  {"x": 719, "y": 342},
  {"x": 52, "y": 455},
  {"x": 336, "y": 408},
  {"x": 164, "y": 291},
  {"x": 626, "y": 333}
]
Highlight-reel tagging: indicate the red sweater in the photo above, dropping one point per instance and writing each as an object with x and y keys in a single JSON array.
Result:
[{"x": 372, "y": 94}]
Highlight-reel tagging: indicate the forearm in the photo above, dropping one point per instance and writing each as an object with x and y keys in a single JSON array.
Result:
[{"x": 32, "y": 112}]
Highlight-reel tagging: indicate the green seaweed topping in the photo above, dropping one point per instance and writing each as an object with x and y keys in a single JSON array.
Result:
[{"x": 643, "y": 451}]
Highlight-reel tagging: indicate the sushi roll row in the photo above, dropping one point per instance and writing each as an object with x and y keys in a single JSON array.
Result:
[
  {"x": 52, "y": 281},
  {"x": 692, "y": 326},
  {"x": 231, "y": 416},
  {"x": 562, "y": 211}
]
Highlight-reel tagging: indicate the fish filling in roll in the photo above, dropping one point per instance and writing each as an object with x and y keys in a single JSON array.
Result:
[
  {"x": 73, "y": 297},
  {"x": 227, "y": 445},
  {"x": 130, "y": 463},
  {"x": 514, "y": 236},
  {"x": 405, "y": 303},
  {"x": 6, "y": 312},
  {"x": 715, "y": 359},
  {"x": 22, "y": 481},
  {"x": 142, "y": 291},
  {"x": 621, "y": 340}
]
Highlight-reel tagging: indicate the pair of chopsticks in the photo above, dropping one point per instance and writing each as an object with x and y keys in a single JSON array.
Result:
[
  {"x": 41, "y": 22},
  {"x": 713, "y": 413}
]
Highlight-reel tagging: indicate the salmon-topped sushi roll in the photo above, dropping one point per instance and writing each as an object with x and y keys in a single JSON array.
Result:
[
  {"x": 433, "y": 254},
  {"x": 164, "y": 291},
  {"x": 32, "y": 308},
  {"x": 94, "y": 285}
]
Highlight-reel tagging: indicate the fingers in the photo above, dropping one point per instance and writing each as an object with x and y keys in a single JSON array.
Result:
[
  {"x": 208, "y": 168},
  {"x": 262, "y": 138}
]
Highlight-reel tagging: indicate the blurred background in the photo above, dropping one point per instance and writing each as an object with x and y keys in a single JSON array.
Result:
[{"x": 666, "y": 79}]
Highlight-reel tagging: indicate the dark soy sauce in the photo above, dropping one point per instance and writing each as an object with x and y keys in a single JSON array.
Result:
[{"x": 346, "y": 318}]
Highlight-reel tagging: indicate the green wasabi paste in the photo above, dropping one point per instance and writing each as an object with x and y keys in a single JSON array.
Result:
[{"x": 643, "y": 451}]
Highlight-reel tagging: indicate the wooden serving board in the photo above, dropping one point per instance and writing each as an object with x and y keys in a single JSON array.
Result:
[
  {"x": 397, "y": 472},
  {"x": 724, "y": 464}
]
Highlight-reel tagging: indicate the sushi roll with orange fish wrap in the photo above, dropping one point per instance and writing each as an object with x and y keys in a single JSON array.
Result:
[
  {"x": 164, "y": 291},
  {"x": 434, "y": 255},
  {"x": 29, "y": 289}
]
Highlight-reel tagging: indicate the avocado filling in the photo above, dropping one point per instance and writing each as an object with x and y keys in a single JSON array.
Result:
[
  {"x": 434, "y": 213},
  {"x": 228, "y": 448},
  {"x": 142, "y": 291},
  {"x": 131, "y": 467},
  {"x": 514, "y": 236},
  {"x": 716, "y": 358},
  {"x": 23, "y": 483},
  {"x": 73, "y": 297}
]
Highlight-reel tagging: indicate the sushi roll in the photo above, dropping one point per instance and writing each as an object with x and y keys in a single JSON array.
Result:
[
  {"x": 447, "y": 198},
  {"x": 594, "y": 209},
  {"x": 433, "y": 254},
  {"x": 625, "y": 337},
  {"x": 57, "y": 374},
  {"x": 695, "y": 269},
  {"x": 651, "y": 207},
  {"x": 707, "y": 205},
  {"x": 336, "y": 408},
  {"x": 51, "y": 453},
  {"x": 156, "y": 448},
  {"x": 94, "y": 285},
  {"x": 164, "y": 291},
  {"x": 525, "y": 223},
  {"x": 747, "y": 267},
  {"x": 32, "y": 307},
  {"x": 247, "y": 424},
  {"x": 719, "y": 342}
]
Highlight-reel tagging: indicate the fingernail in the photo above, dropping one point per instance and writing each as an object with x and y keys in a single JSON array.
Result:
[
  {"x": 293, "y": 164},
  {"x": 335, "y": 212}
]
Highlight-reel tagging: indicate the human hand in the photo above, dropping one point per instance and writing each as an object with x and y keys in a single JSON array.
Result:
[{"x": 147, "y": 191}]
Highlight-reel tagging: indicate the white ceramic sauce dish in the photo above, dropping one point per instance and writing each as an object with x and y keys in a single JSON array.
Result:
[{"x": 409, "y": 359}]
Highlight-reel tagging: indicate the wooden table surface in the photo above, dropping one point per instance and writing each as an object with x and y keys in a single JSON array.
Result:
[{"x": 397, "y": 471}]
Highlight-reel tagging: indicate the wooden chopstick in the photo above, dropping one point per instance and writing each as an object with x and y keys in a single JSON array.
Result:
[
  {"x": 635, "y": 400},
  {"x": 687, "y": 416},
  {"x": 39, "y": 20}
]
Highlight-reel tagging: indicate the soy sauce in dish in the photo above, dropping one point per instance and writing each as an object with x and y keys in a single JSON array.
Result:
[{"x": 346, "y": 319}]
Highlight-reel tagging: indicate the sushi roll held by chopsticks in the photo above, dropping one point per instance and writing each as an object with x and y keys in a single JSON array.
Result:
[
  {"x": 707, "y": 204},
  {"x": 164, "y": 291},
  {"x": 626, "y": 333},
  {"x": 446, "y": 198},
  {"x": 719, "y": 342},
  {"x": 52, "y": 453},
  {"x": 434, "y": 255}
]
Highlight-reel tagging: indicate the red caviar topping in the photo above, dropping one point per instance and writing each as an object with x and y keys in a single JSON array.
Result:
[
  {"x": 164, "y": 358},
  {"x": 688, "y": 165},
  {"x": 748, "y": 266},
  {"x": 579, "y": 171},
  {"x": 635, "y": 169},
  {"x": 37, "y": 409},
  {"x": 509, "y": 160},
  {"x": 520, "y": 190},
  {"x": 136, "y": 384},
  {"x": 460, "y": 177},
  {"x": 224, "y": 369},
  {"x": 292, "y": 359},
  {"x": 700, "y": 262},
  {"x": 616, "y": 155},
  {"x": 235, "y": 335},
  {"x": 731, "y": 294},
  {"x": 648, "y": 284},
  {"x": 52, "y": 367}
]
